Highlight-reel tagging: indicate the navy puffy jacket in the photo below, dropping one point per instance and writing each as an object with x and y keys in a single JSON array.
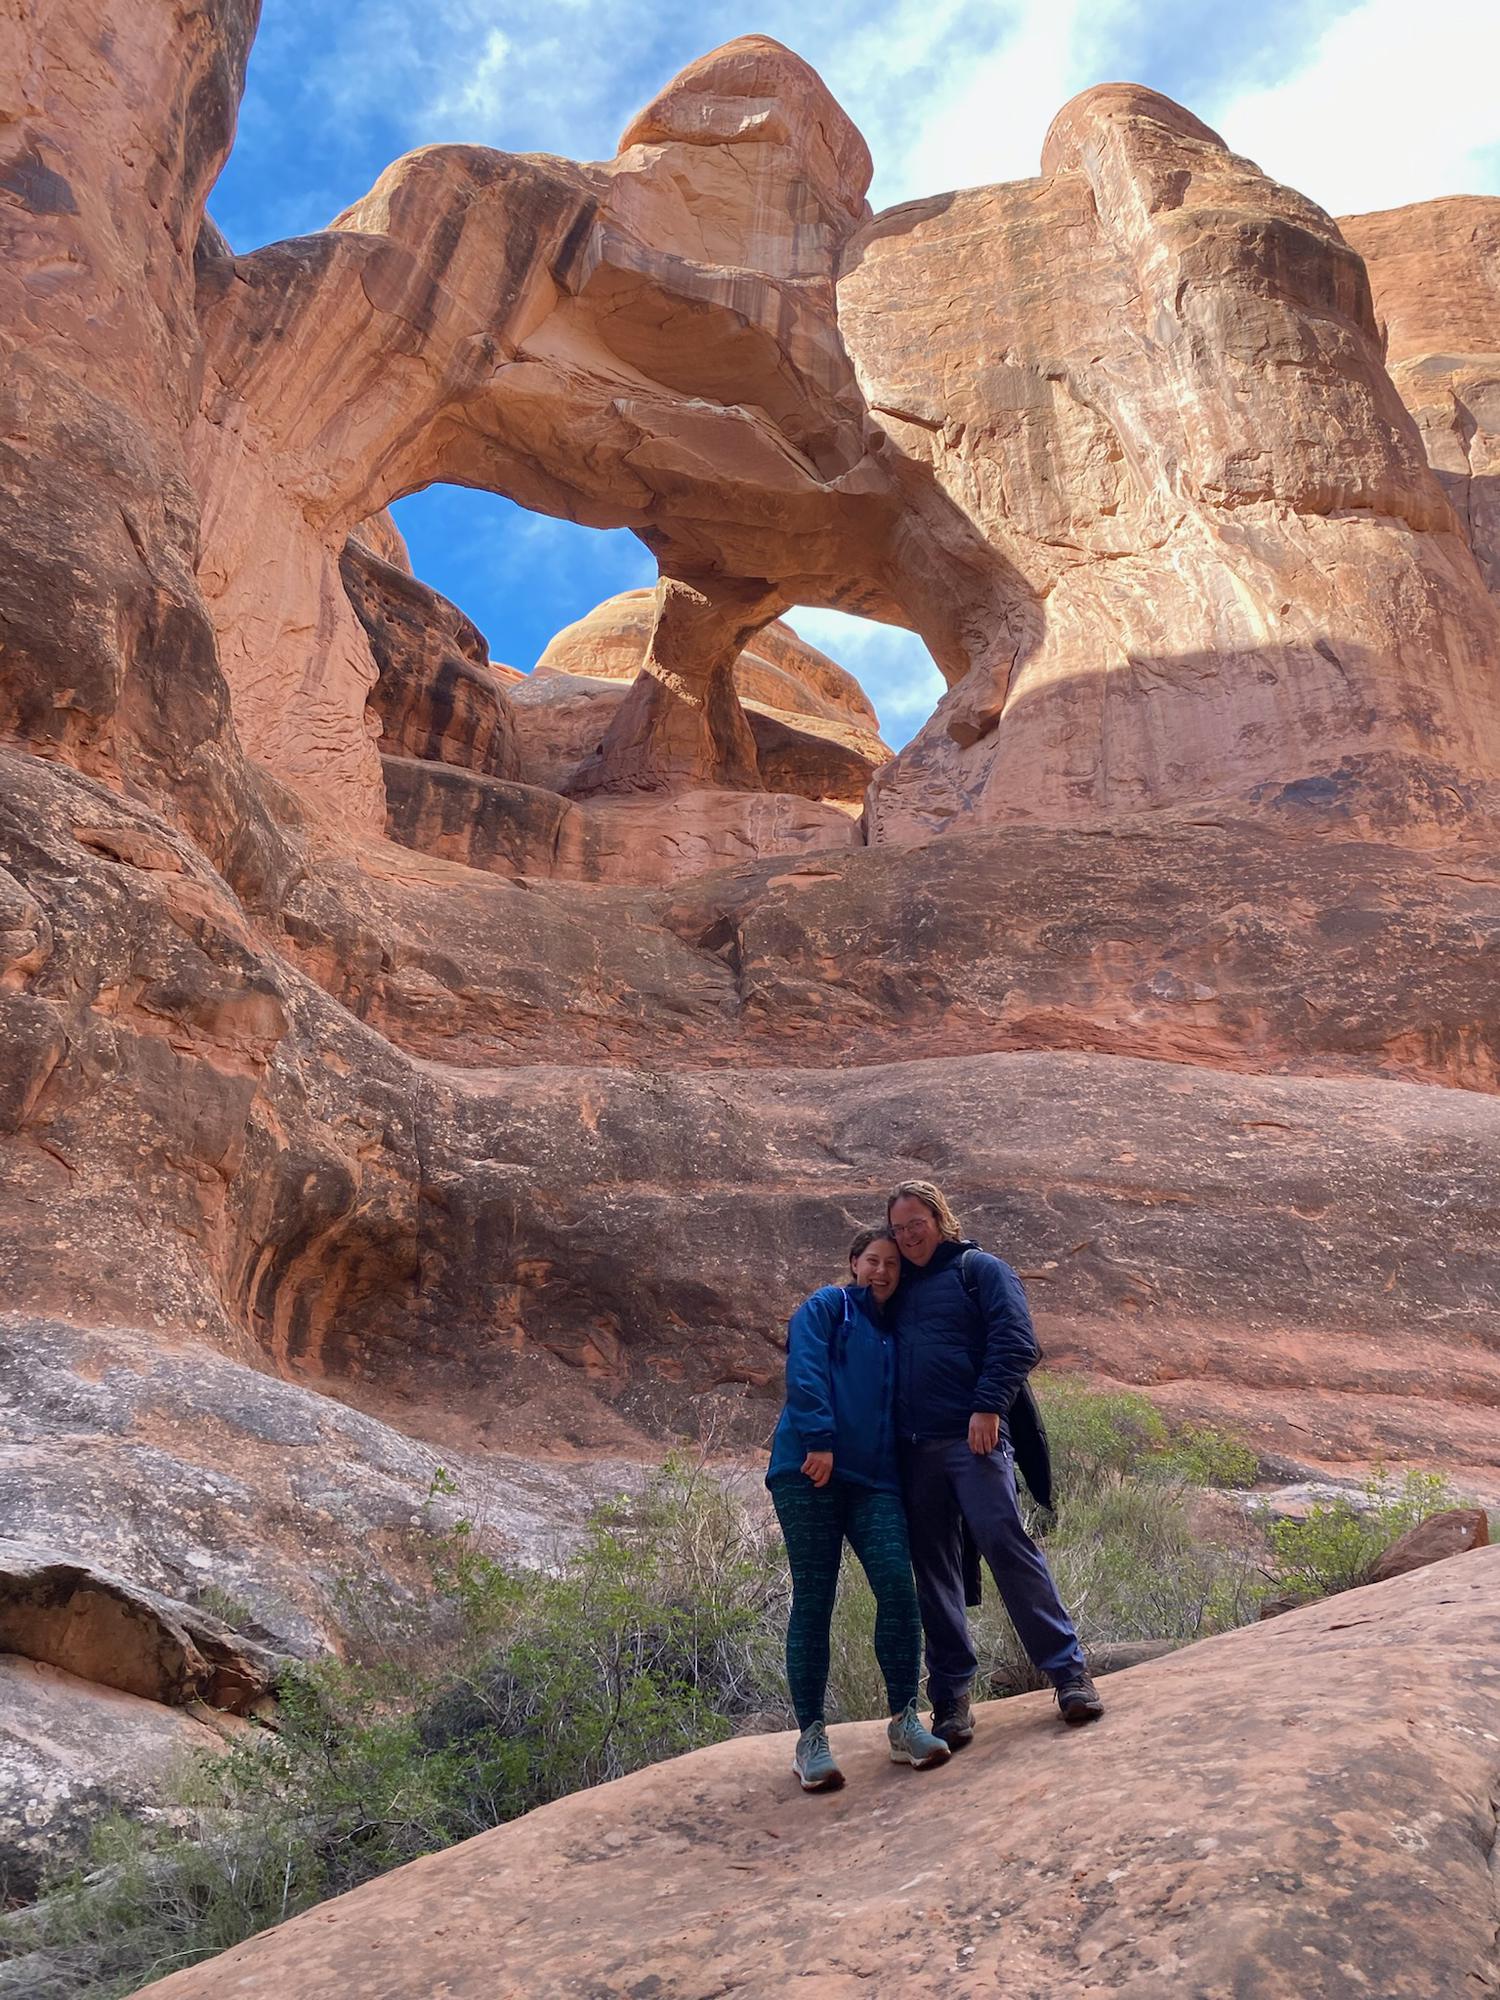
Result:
[
  {"x": 955, "y": 1357},
  {"x": 840, "y": 1389}
]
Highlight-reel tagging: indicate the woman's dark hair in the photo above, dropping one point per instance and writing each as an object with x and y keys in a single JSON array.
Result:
[{"x": 865, "y": 1238}]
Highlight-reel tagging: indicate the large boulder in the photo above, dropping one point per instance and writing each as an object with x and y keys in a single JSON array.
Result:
[
  {"x": 1258, "y": 1815},
  {"x": 67, "y": 1613},
  {"x": 1451, "y": 1533}
]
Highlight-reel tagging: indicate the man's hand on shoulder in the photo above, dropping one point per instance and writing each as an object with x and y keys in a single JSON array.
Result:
[
  {"x": 984, "y": 1432},
  {"x": 818, "y": 1465}
]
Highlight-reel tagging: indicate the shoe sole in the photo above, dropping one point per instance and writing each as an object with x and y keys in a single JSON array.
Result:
[
  {"x": 927, "y": 1763},
  {"x": 834, "y": 1782}
]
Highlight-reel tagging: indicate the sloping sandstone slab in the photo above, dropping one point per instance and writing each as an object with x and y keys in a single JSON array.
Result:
[{"x": 1305, "y": 1808}]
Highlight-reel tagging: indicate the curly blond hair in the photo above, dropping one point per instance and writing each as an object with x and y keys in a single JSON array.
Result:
[{"x": 933, "y": 1199}]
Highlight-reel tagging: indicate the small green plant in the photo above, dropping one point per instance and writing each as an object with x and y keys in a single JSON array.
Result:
[
  {"x": 1200, "y": 1455},
  {"x": 226, "y": 1607},
  {"x": 1338, "y": 1543},
  {"x": 1102, "y": 1438},
  {"x": 1097, "y": 1436}
]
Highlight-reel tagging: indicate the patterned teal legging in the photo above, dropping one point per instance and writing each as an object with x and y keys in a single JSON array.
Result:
[{"x": 816, "y": 1522}]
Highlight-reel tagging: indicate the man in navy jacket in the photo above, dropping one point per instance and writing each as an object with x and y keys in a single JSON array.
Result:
[{"x": 964, "y": 1346}]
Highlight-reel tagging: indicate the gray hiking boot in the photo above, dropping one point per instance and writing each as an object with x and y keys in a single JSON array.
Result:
[
  {"x": 813, "y": 1761},
  {"x": 1078, "y": 1699},
  {"x": 953, "y": 1720},
  {"x": 912, "y": 1742}
]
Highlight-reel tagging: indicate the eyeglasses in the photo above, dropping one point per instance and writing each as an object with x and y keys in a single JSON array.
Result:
[{"x": 916, "y": 1228}]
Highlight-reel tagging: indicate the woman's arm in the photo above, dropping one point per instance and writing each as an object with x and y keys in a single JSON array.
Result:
[{"x": 809, "y": 1373}]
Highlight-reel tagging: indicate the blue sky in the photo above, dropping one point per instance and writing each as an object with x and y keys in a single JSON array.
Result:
[{"x": 1360, "y": 103}]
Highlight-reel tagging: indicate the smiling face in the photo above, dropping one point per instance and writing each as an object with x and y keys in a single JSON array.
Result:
[
  {"x": 916, "y": 1229},
  {"x": 878, "y": 1265}
]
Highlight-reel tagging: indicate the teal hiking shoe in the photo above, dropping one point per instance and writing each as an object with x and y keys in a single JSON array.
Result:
[
  {"x": 813, "y": 1762},
  {"x": 912, "y": 1742}
]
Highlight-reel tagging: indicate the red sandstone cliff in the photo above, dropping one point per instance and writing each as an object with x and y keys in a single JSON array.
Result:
[{"x": 377, "y": 1028}]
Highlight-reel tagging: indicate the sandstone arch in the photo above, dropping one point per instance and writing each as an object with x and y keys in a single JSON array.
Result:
[{"x": 477, "y": 315}]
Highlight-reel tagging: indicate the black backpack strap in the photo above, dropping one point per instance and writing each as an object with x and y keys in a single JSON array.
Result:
[{"x": 1028, "y": 1434}]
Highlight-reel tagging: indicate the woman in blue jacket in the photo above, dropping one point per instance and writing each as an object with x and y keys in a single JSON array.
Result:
[{"x": 833, "y": 1478}]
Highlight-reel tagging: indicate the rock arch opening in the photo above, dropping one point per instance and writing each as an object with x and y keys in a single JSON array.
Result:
[{"x": 892, "y": 665}]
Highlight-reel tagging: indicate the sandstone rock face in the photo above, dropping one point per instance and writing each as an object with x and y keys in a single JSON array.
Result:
[
  {"x": 435, "y": 696},
  {"x": 181, "y": 1474},
  {"x": 1435, "y": 274},
  {"x": 525, "y": 1090},
  {"x": 1349, "y": 1849},
  {"x": 110, "y": 144},
  {"x": 813, "y": 730},
  {"x": 1158, "y": 391},
  {"x": 527, "y": 831},
  {"x": 379, "y": 535}
]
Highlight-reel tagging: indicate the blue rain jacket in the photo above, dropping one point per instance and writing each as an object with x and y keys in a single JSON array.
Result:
[
  {"x": 955, "y": 1353},
  {"x": 840, "y": 1389}
]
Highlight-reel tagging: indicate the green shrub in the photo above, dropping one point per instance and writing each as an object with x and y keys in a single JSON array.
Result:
[
  {"x": 1129, "y": 1565},
  {"x": 1338, "y": 1543},
  {"x": 1096, "y": 1436},
  {"x": 1104, "y": 1437},
  {"x": 149, "y": 1904}
]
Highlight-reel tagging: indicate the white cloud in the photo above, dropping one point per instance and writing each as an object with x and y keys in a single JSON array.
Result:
[
  {"x": 1394, "y": 103},
  {"x": 997, "y": 93},
  {"x": 892, "y": 666},
  {"x": 474, "y": 95}
]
